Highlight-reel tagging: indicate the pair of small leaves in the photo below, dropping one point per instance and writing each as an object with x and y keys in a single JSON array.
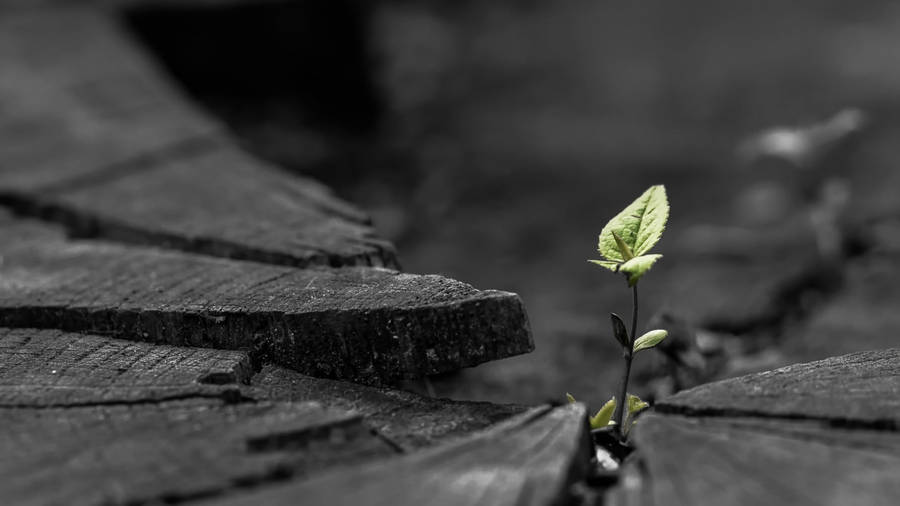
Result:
[
  {"x": 626, "y": 239},
  {"x": 646, "y": 341},
  {"x": 603, "y": 417}
]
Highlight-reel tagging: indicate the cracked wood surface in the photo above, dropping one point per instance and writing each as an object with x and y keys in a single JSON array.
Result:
[
  {"x": 128, "y": 445},
  {"x": 409, "y": 420},
  {"x": 856, "y": 389},
  {"x": 78, "y": 97},
  {"x": 363, "y": 324},
  {"x": 222, "y": 202},
  {"x": 818, "y": 433},
  {"x": 42, "y": 368},
  {"x": 713, "y": 461},
  {"x": 93, "y": 420},
  {"x": 169, "y": 451},
  {"x": 531, "y": 459},
  {"x": 47, "y": 368},
  {"x": 96, "y": 137}
]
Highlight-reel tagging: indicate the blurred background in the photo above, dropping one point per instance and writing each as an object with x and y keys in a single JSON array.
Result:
[{"x": 491, "y": 141}]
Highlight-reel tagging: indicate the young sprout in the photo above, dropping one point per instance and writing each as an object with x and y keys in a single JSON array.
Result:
[{"x": 625, "y": 243}]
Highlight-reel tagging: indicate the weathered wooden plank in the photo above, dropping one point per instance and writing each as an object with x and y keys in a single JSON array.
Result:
[
  {"x": 46, "y": 368},
  {"x": 860, "y": 389},
  {"x": 224, "y": 203},
  {"x": 91, "y": 420},
  {"x": 363, "y": 324},
  {"x": 51, "y": 368},
  {"x": 409, "y": 420},
  {"x": 170, "y": 451},
  {"x": 96, "y": 137},
  {"x": 77, "y": 97},
  {"x": 529, "y": 460},
  {"x": 714, "y": 461}
]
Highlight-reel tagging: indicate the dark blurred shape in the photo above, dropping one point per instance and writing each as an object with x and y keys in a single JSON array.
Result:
[{"x": 304, "y": 57}]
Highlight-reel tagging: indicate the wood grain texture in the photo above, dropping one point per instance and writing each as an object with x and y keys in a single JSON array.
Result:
[
  {"x": 859, "y": 389},
  {"x": 96, "y": 137},
  {"x": 715, "y": 461},
  {"x": 170, "y": 451},
  {"x": 52, "y": 368},
  {"x": 89, "y": 422},
  {"x": 409, "y": 420},
  {"x": 225, "y": 203},
  {"x": 362, "y": 324},
  {"x": 77, "y": 97},
  {"x": 529, "y": 460}
]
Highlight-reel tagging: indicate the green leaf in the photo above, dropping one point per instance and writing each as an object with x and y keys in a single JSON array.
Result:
[
  {"x": 601, "y": 419},
  {"x": 649, "y": 340},
  {"x": 613, "y": 266},
  {"x": 624, "y": 249},
  {"x": 639, "y": 226},
  {"x": 619, "y": 330},
  {"x": 570, "y": 398},
  {"x": 635, "y": 404},
  {"x": 638, "y": 266}
]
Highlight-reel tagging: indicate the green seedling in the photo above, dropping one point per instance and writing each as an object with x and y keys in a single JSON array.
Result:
[{"x": 625, "y": 243}]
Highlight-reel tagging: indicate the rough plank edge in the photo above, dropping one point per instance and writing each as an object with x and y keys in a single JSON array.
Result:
[
  {"x": 88, "y": 226},
  {"x": 489, "y": 326},
  {"x": 683, "y": 403}
]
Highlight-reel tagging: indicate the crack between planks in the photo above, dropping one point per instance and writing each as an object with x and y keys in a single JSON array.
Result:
[
  {"x": 28, "y": 202},
  {"x": 878, "y": 424},
  {"x": 229, "y": 396}
]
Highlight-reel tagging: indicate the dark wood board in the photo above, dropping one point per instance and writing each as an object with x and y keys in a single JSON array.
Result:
[
  {"x": 78, "y": 98},
  {"x": 90, "y": 419},
  {"x": 223, "y": 202},
  {"x": 95, "y": 136},
  {"x": 723, "y": 462},
  {"x": 362, "y": 324},
  {"x": 531, "y": 459},
  {"x": 861, "y": 389},
  {"x": 409, "y": 420},
  {"x": 170, "y": 451},
  {"x": 52, "y": 368}
]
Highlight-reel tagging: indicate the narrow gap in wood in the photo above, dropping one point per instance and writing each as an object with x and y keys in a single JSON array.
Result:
[
  {"x": 880, "y": 424},
  {"x": 227, "y": 396}
]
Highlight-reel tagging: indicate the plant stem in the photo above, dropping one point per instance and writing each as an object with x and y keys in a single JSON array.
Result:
[
  {"x": 634, "y": 314},
  {"x": 627, "y": 354}
]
